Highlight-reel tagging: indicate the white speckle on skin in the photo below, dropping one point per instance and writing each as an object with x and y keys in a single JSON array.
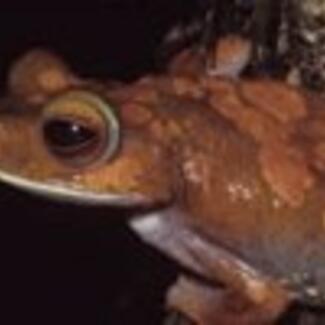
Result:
[
  {"x": 239, "y": 191},
  {"x": 192, "y": 172},
  {"x": 276, "y": 203},
  {"x": 76, "y": 178}
]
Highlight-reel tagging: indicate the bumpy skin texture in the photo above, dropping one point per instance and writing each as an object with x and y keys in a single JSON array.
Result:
[{"x": 243, "y": 160}]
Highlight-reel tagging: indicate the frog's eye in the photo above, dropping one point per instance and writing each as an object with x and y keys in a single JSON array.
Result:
[{"x": 79, "y": 128}]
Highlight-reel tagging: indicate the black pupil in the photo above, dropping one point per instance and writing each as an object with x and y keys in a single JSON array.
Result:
[{"x": 67, "y": 135}]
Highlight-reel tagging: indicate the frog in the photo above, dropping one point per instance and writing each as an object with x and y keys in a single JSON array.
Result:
[{"x": 223, "y": 175}]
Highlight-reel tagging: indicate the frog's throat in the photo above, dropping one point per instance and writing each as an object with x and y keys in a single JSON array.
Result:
[
  {"x": 57, "y": 191},
  {"x": 172, "y": 235}
]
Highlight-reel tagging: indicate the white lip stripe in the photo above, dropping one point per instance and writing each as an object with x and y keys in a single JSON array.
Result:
[{"x": 61, "y": 193}]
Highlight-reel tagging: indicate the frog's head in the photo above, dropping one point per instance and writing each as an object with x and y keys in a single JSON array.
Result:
[{"x": 66, "y": 138}]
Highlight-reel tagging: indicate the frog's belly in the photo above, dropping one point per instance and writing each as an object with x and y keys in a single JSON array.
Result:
[
  {"x": 294, "y": 258},
  {"x": 300, "y": 269},
  {"x": 297, "y": 262}
]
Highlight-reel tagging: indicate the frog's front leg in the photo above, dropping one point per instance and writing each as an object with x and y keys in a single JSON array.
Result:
[
  {"x": 210, "y": 305},
  {"x": 261, "y": 300}
]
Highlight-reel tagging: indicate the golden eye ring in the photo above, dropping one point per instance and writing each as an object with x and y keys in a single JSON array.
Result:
[{"x": 80, "y": 128}]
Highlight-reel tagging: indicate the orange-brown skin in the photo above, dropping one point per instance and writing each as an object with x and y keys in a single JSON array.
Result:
[{"x": 243, "y": 160}]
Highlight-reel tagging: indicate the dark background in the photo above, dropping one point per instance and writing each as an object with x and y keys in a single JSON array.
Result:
[
  {"x": 71, "y": 265},
  {"x": 102, "y": 38}
]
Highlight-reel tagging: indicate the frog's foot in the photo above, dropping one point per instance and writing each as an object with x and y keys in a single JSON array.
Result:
[
  {"x": 229, "y": 57},
  {"x": 208, "y": 305}
]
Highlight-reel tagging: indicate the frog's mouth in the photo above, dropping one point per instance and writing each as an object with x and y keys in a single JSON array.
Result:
[{"x": 65, "y": 192}]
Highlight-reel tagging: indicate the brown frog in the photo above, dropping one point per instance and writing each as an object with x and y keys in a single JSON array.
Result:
[{"x": 225, "y": 176}]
